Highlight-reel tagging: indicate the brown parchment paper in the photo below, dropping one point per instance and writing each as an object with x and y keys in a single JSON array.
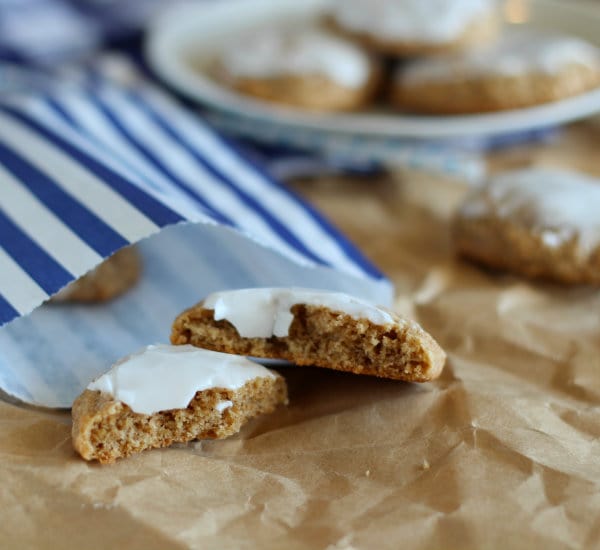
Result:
[{"x": 502, "y": 452}]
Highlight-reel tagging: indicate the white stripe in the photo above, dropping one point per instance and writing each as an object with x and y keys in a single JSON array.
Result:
[
  {"x": 113, "y": 158},
  {"x": 89, "y": 190},
  {"x": 44, "y": 227},
  {"x": 43, "y": 113},
  {"x": 311, "y": 233},
  {"x": 18, "y": 287},
  {"x": 195, "y": 175},
  {"x": 100, "y": 128},
  {"x": 95, "y": 123}
]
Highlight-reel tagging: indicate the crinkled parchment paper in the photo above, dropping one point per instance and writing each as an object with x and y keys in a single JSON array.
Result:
[{"x": 502, "y": 452}]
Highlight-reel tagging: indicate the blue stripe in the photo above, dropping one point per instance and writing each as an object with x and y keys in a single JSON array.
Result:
[
  {"x": 156, "y": 163},
  {"x": 66, "y": 116},
  {"x": 97, "y": 234},
  {"x": 349, "y": 249},
  {"x": 33, "y": 259},
  {"x": 148, "y": 205},
  {"x": 7, "y": 312},
  {"x": 76, "y": 126},
  {"x": 277, "y": 226}
]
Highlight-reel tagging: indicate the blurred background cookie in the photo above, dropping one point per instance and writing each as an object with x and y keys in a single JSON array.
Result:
[
  {"x": 416, "y": 27},
  {"x": 111, "y": 278},
  {"x": 538, "y": 223},
  {"x": 523, "y": 68},
  {"x": 308, "y": 68}
]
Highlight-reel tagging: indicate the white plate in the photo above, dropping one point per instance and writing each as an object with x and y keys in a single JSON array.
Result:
[{"x": 179, "y": 41}]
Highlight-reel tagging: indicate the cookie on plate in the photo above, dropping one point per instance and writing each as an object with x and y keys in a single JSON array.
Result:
[
  {"x": 166, "y": 394},
  {"x": 111, "y": 278},
  {"x": 306, "y": 68},
  {"x": 539, "y": 223},
  {"x": 524, "y": 68},
  {"x": 416, "y": 27},
  {"x": 312, "y": 327}
]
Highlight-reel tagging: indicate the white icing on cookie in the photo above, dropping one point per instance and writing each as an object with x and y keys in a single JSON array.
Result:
[
  {"x": 517, "y": 52},
  {"x": 265, "y": 312},
  {"x": 161, "y": 377},
  {"x": 431, "y": 21},
  {"x": 270, "y": 53},
  {"x": 557, "y": 205}
]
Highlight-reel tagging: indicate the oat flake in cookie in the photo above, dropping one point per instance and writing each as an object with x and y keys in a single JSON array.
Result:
[
  {"x": 540, "y": 223},
  {"x": 312, "y": 327},
  {"x": 166, "y": 394}
]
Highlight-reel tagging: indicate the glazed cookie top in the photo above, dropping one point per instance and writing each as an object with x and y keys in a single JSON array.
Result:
[
  {"x": 270, "y": 53},
  {"x": 434, "y": 21},
  {"x": 555, "y": 204},
  {"x": 162, "y": 377},
  {"x": 265, "y": 312},
  {"x": 517, "y": 52}
]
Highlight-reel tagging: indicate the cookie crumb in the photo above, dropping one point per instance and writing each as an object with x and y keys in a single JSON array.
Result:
[
  {"x": 368, "y": 473},
  {"x": 425, "y": 464}
]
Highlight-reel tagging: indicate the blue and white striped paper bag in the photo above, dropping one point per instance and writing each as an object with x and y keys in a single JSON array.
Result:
[{"x": 92, "y": 167}]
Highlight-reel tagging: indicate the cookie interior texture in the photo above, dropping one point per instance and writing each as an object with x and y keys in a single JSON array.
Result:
[
  {"x": 321, "y": 337},
  {"x": 105, "y": 429},
  {"x": 110, "y": 279}
]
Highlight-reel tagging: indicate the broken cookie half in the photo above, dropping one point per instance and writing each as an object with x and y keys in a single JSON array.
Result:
[
  {"x": 312, "y": 327},
  {"x": 167, "y": 394}
]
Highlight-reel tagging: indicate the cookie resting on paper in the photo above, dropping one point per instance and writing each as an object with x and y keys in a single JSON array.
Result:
[
  {"x": 539, "y": 223},
  {"x": 312, "y": 327},
  {"x": 168, "y": 394}
]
